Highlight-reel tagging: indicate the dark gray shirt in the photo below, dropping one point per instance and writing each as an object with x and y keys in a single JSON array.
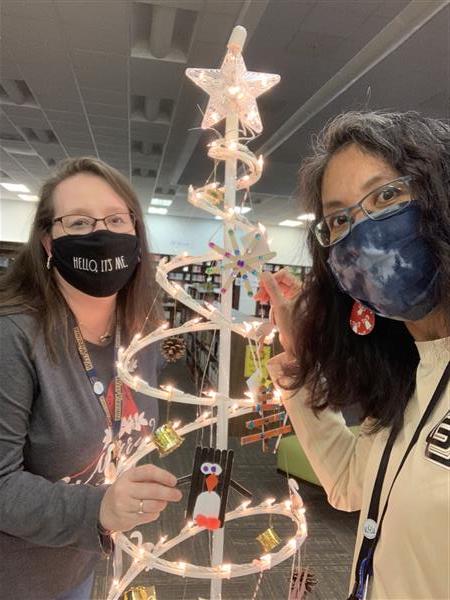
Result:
[{"x": 54, "y": 442}]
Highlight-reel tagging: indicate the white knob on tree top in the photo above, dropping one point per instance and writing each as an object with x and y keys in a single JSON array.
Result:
[{"x": 237, "y": 39}]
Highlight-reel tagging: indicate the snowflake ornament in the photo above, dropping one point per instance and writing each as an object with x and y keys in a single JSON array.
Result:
[{"x": 241, "y": 262}]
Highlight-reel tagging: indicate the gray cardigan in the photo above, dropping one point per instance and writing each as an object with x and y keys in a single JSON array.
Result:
[{"x": 53, "y": 434}]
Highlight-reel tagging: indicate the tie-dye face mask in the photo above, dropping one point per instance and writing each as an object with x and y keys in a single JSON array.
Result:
[{"x": 388, "y": 266}]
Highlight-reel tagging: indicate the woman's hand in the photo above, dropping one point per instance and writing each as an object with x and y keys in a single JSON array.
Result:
[
  {"x": 281, "y": 291},
  {"x": 119, "y": 510}
]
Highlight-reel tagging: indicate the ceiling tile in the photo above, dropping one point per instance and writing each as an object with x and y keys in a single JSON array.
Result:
[
  {"x": 155, "y": 78},
  {"x": 43, "y": 10},
  {"x": 96, "y": 69},
  {"x": 102, "y": 96},
  {"x": 107, "y": 110},
  {"x": 96, "y": 25},
  {"x": 32, "y": 42}
]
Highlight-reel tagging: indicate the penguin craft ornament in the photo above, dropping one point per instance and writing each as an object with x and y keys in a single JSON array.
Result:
[{"x": 210, "y": 483}]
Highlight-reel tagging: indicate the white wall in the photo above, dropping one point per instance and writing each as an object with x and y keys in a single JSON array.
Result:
[
  {"x": 16, "y": 217},
  {"x": 290, "y": 245},
  {"x": 174, "y": 235}
]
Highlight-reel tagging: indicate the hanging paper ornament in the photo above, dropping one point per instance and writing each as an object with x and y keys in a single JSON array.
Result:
[
  {"x": 166, "y": 439},
  {"x": 268, "y": 540},
  {"x": 211, "y": 470},
  {"x": 140, "y": 593},
  {"x": 275, "y": 418},
  {"x": 267, "y": 398},
  {"x": 173, "y": 349},
  {"x": 265, "y": 435},
  {"x": 265, "y": 392}
]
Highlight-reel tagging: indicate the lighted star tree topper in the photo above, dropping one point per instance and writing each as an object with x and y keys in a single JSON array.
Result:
[{"x": 233, "y": 89}]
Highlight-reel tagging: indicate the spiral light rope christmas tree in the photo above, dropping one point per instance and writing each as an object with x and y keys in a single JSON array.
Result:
[{"x": 232, "y": 92}]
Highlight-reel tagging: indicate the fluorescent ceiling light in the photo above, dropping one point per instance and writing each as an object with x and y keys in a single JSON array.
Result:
[
  {"x": 156, "y": 210},
  {"x": 241, "y": 210},
  {"x": 15, "y": 187},
  {"x": 161, "y": 202},
  {"x": 218, "y": 218},
  {"x": 29, "y": 197},
  {"x": 290, "y": 223},
  {"x": 306, "y": 217}
]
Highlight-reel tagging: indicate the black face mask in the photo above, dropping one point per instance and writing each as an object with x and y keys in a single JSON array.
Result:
[{"x": 99, "y": 263}]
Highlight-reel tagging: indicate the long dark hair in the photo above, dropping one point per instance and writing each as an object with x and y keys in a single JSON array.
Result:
[
  {"x": 377, "y": 371},
  {"x": 28, "y": 286}
]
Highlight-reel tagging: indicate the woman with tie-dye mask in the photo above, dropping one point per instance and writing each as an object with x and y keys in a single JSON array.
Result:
[{"x": 371, "y": 327}]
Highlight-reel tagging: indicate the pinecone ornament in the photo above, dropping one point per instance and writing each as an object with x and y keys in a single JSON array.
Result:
[{"x": 173, "y": 348}]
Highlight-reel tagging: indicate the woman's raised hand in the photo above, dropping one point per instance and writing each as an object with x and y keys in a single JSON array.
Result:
[
  {"x": 280, "y": 291},
  {"x": 147, "y": 488}
]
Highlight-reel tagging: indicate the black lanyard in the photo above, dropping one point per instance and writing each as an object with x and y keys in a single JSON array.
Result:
[
  {"x": 97, "y": 386},
  {"x": 372, "y": 527}
]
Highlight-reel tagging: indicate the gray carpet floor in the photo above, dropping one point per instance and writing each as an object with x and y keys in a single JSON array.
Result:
[{"x": 327, "y": 551}]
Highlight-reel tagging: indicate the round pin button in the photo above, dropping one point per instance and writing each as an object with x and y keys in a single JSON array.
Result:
[
  {"x": 370, "y": 529},
  {"x": 98, "y": 388}
]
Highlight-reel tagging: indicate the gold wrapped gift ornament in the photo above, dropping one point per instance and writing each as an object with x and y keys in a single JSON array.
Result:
[
  {"x": 167, "y": 439},
  {"x": 141, "y": 593},
  {"x": 269, "y": 540},
  {"x": 213, "y": 194}
]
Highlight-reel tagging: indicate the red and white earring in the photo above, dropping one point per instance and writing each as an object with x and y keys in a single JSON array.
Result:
[{"x": 362, "y": 319}]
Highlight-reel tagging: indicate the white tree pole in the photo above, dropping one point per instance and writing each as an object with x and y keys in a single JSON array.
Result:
[{"x": 237, "y": 38}]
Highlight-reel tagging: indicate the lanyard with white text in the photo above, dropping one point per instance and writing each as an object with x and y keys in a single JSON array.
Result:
[
  {"x": 372, "y": 526},
  {"x": 97, "y": 386}
]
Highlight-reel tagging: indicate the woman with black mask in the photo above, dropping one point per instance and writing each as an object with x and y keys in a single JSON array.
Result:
[
  {"x": 82, "y": 286},
  {"x": 371, "y": 327}
]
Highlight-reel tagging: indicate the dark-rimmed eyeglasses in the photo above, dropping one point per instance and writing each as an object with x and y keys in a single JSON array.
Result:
[
  {"x": 82, "y": 224},
  {"x": 380, "y": 203}
]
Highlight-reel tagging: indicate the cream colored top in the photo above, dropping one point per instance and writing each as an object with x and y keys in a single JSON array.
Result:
[{"x": 412, "y": 558}]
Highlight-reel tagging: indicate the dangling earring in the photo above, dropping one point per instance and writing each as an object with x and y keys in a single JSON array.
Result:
[
  {"x": 362, "y": 319},
  {"x": 49, "y": 262}
]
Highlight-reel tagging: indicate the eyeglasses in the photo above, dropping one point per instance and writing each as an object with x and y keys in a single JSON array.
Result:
[
  {"x": 381, "y": 203},
  {"x": 82, "y": 224}
]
